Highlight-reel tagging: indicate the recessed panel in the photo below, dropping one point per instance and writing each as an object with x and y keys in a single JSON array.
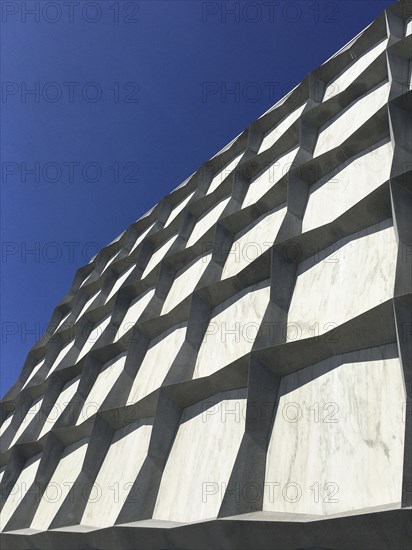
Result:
[
  {"x": 207, "y": 221},
  {"x": 202, "y": 458},
  {"x": 159, "y": 357},
  {"x": 348, "y": 278},
  {"x": 345, "y": 123},
  {"x": 338, "y": 436},
  {"x": 19, "y": 490},
  {"x": 348, "y": 185},
  {"x": 232, "y": 329},
  {"x": 62, "y": 480},
  {"x": 185, "y": 282},
  {"x": 253, "y": 241},
  {"x": 269, "y": 177},
  {"x": 114, "y": 482}
]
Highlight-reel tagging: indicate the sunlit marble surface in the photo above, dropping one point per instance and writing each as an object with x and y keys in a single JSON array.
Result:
[
  {"x": 60, "y": 484},
  {"x": 342, "y": 189},
  {"x": 334, "y": 132},
  {"x": 157, "y": 361},
  {"x": 269, "y": 177},
  {"x": 20, "y": 488},
  {"x": 337, "y": 440},
  {"x": 250, "y": 243},
  {"x": 232, "y": 330},
  {"x": 202, "y": 457},
  {"x": 117, "y": 474},
  {"x": 358, "y": 273}
]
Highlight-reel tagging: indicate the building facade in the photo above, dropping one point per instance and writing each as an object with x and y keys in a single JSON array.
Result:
[{"x": 234, "y": 371}]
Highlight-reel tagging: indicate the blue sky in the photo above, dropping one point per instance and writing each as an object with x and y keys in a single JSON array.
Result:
[{"x": 107, "y": 106}]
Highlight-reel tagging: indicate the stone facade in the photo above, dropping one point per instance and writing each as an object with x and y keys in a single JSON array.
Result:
[{"x": 234, "y": 371}]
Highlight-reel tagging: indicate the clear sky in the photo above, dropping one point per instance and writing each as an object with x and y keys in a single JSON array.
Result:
[{"x": 107, "y": 106}]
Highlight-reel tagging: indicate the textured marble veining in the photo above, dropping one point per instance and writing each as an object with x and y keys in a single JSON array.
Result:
[
  {"x": 140, "y": 238},
  {"x": 62, "y": 354},
  {"x": 33, "y": 372},
  {"x": 87, "y": 304},
  {"x": 93, "y": 337},
  {"x": 62, "y": 480},
  {"x": 252, "y": 241},
  {"x": 119, "y": 282},
  {"x": 177, "y": 209},
  {"x": 274, "y": 134},
  {"x": 134, "y": 312},
  {"x": 60, "y": 405},
  {"x": 206, "y": 221},
  {"x": 157, "y": 361},
  {"x": 158, "y": 255},
  {"x": 358, "y": 273},
  {"x": 185, "y": 282},
  {"x": 28, "y": 419},
  {"x": 269, "y": 177},
  {"x": 143, "y": 383},
  {"x": 113, "y": 485},
  {"x": 104, "y": 382},
  {"x": 337, "y": 440},
  {"x": 344, "y": 79},
  {"x": 334, "y": 132},
  {"x": 218, "y": 179},
  {"x": 232, "y": 330},
  {"x": 201, "y": 459},
  {"x": 20, "y": 488},
  {"x": 347, "y": 185}
]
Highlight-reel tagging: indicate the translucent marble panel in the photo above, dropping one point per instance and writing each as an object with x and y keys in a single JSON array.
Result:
[
  {"x": 206, "y": 221},
  {"x": 157, "y": 362},
  {"x": 273, "y": 135},
  {"x": 62, "y": 322},
  {"x": 358, "y": 273},
  {"x": 60, "y": 405},
  {"x": 252, "y": 241},
  {"x": 103, "y": 384},
  {"x": 120, "y": 280},
  {"x": 28, "y": 419},
  {"x": 344, "y": 124},
  {"x": 36, "y": 368},
  {"x": 346, "y": 77},
  {"x": 20, "y": 488},
  {"x": 115, "y": 483},
  {"x": 337, "y": 441},
  {"x": 86, "y": 279},
  {"x": 135, "y": 310},
  {"x": 112, "y": 259},
  {"x": 202, "y": 458},
  {"x": 185, "y": 282},
  {"x": 223, "y": 174},
  {"x": 269, "y": 178},
  {"x": 93, "y": 337},
  {"x": 60, "y": 483},
  {"x": 177, "y": 209},
  {"x": 6, "y": 424},
  {"x": 157, "y": 256},
  {"x": 87, "y": 305},
  {"x": 63, "y": 352},
  {"x": 232, "y": 330},
  {"x": 408, "y": 27},
  {"x": 140, "y": 238},
  {"x": 343, "y": 189}
]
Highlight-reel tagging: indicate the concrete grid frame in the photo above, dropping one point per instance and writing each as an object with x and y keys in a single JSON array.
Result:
[{"x": 234, "y": 370}]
